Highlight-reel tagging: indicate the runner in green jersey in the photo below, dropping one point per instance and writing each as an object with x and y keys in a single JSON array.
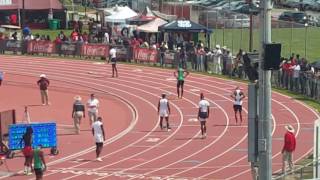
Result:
[
  {"x": 180, "y": 74},
  {"x": 39, "y": 163}
]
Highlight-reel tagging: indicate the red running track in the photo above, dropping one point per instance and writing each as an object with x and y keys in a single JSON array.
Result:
[{"x": 136, "y": 148}]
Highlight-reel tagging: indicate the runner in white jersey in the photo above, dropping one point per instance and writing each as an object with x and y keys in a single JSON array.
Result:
[
  {"x": 203, "y": 114},
  {"x": 164, "y": 111},
  {"x": 99, "y": 136},
  {"x": 238, "y": 96}
]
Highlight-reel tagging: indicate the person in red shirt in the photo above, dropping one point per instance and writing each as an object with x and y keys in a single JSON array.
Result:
[
  {"x": 13, "y": 19},
  {"x": 288, "y": 148}
]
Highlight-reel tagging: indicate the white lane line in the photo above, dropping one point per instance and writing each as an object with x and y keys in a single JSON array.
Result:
[{"x": 90, "y": 150}]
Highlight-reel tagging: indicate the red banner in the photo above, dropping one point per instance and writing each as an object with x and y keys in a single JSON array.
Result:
[
  {"x": 99, "y": 50},
  {"x": 146, "y": 55},
  {"x": 41, "y": 47}
]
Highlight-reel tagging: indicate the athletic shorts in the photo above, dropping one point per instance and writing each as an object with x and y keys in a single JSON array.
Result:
[
  {"x": 113, "y": 61},
  {"x": 203, "y": 116},
  {"x": 27, "y": 151},
  {"x": 163, "y": 114},
  {"x": 237, "y": 108},
  {"x": 180, "y": 83},
  {"x": 99, "y": 144},
  {"x": 38, "y": 171}
]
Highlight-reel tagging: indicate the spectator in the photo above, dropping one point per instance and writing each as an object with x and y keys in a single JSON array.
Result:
[
  {"x": 296, "y": 73},
  {"x": 288, "y": 148},
  {"x": 229, "y": 63},
  {"x": 43, "y": 84},
  {"x": 163, "y": 49},
  {"x": 207, "y": 59},
  {"x": 14, "y": 36},
  {"x": 238, "y": 64},
  {"x": 224, "y": 59},
  {"x": 182, "y": 57},
  {"x": 200, "y": 57},
  {"x": 62, "y": 36},
  {"x": 217, "y": 60},
  {"x": 13, "y": 19}
]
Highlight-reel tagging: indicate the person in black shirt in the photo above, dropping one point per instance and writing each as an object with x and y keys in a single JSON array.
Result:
[
  {"x": 27, "y": 149},
  {"x": 78, "y": 113}
]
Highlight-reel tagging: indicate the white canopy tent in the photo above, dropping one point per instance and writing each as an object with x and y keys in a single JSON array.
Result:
[
  {"x": 152, "y": 26},
  {"x": 120, "y": 14}
]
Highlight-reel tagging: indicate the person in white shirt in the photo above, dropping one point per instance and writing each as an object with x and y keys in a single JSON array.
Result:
[
  {"x": 164, "y": 111},
  {"x": 217, "y": 60},
  {"x": 296, "y": 73},
  {"x": 203, "y": 114},
  {"x": 113, "y": 59},
  {"x": 238, "y": 96},
  {"x": 106, "y": 38},
  {"x": 92, "y": 105},
  {"x": 99, "y": 136}
]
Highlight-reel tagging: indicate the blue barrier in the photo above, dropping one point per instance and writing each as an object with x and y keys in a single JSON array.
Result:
[{"x": 44, "y": 134}]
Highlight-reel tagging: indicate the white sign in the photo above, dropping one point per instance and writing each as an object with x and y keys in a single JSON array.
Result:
[
  {"x": 184, "y": 24},
  {"x": 5, "y": 2}
]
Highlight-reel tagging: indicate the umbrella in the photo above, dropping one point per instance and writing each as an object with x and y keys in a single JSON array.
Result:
[{"x": 316, "y": 64}]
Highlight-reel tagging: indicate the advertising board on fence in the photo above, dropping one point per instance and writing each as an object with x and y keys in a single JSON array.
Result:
[
  {"x": 13, "y": 45},
  {"x": 44, "y": 134},
  {"x": 146, "y": 55},
  {"x": 10, "y": 45},
  {"x": 169, "y": 57},
  {"x": 41, "y": 47},
  {"x": 68, "y": 48},
  {"x": 97, "y": 50},
  {"x": 122, "y": 53}
]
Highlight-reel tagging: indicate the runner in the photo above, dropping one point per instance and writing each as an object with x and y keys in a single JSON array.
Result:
[
  {"x": 27, "y": 150},
  {"x": 99, "y": 135},
  {"x": 39, "y": 163},
  {"x": 180, "y": 74},
  {"x": 238, "y": 96},
  {"x": 164, "y": 111},
  {"x": 203, "y": 114},
  {"x": 113, "y": 58},
  {"x": 93, "y": 105}
]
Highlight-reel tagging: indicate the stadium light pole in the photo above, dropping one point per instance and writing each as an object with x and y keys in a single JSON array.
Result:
[
  {"x": 250, "y": 27},
  {"x": 264, "y": 97},
  {"x": 305, "y": 39}
]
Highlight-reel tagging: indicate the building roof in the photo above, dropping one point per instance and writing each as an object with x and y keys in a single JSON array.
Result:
[{"x": 33, "y": 5}]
